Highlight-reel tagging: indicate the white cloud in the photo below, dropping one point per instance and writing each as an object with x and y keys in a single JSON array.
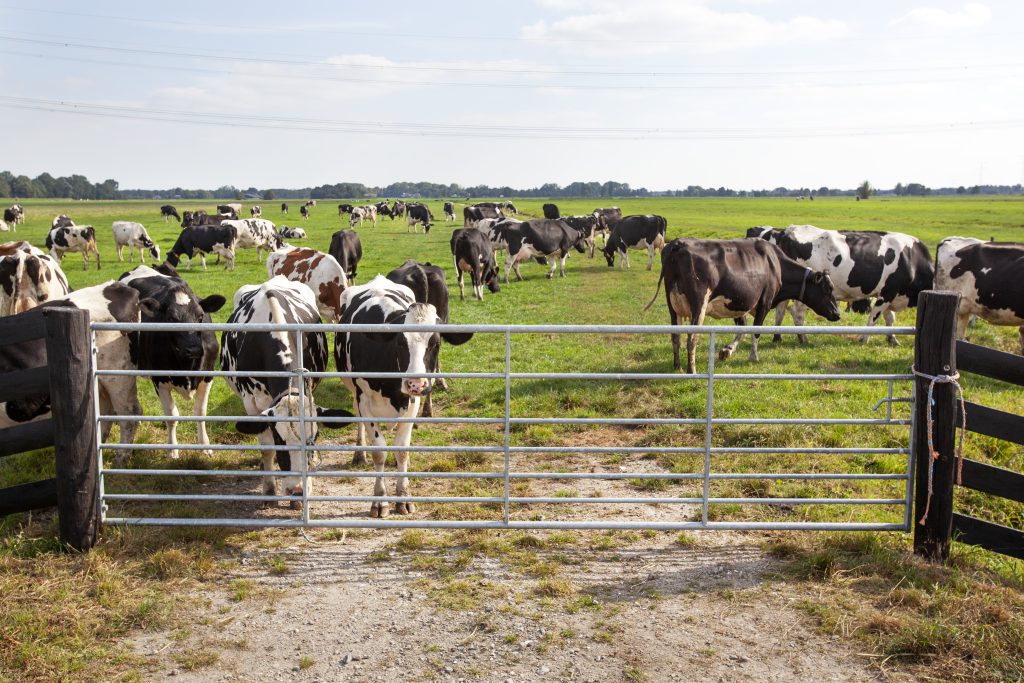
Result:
[
  {"x": 664, "y": 26},
  {"x": 971, "y": 15}
]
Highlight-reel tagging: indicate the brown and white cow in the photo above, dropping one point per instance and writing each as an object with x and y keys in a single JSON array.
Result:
[{"x": 317, "y": 270}]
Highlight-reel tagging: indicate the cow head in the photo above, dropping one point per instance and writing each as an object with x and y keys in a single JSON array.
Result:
[
  {"x": 61, "y": 221},
  {"x": 285, "y": 430},
  {"x": 764, "y": 232},
  {"x": 491, "y": 276},
  {"x": 609, "y": 252},
  {"x": 178, "y": 304},
  {"x": 817, "y": 292}
]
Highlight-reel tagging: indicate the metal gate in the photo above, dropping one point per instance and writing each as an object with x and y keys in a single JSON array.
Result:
[{"x": 507, "y": 507}]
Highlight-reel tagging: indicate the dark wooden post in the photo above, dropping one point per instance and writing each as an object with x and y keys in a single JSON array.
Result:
[
  {"x": 934, "y": 354},
  {"x": 69, "y": 357}
]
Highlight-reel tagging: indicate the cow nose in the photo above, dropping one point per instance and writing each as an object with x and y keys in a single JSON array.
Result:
[{"x": 416, "y": 386}]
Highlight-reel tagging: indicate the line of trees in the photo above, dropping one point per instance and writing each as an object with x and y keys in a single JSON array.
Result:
[{"x": 79, "y": 187}]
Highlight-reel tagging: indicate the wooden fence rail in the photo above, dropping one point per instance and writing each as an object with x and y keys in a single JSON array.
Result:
[{"x": 64, "y": 380}]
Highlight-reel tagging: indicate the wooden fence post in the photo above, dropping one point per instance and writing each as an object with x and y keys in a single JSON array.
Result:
[
  {"x": 69, "y": 357},
  {"x": 934, "y": 354}
]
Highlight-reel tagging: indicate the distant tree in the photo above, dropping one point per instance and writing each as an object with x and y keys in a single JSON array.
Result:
[
  {"x": 975, "y": 190},
  {"x": 899, "y": 190},
  {"x": 864, "y": 190},
  {"x": 269, "y": 196},
  {"x": 961, "y": 190},
  {"x": 22, "y": 186}
]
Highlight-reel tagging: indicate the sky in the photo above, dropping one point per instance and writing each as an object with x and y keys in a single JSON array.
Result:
[{"x": 661, "y": 94}]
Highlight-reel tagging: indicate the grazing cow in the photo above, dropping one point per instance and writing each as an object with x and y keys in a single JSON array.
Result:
[
  {"x": 134, "y": 236},
  {"x": 74, "y": 238},
  {"x": 28, "y": 277},
  {"x": 418, "y": 214},
  {"x": 731, "y": 278},
  {"x": 509, "y": 207},
  {"x": 203, "y": 240},
  {"x": 472, "y": 253},
  {"x": 540, "y": 237},
  {"x": 168, "y": 299},
  {"x": 347, "y": 250},
  {"x": 281, "y": 302},
  {"x": 384, "y": 301},
  {"x": 286, "y": 233},
  {"x": 231, "y": 210},
  {"x": 256, "y": 212},
  {"x": 384, "y": 210},
  {"x": 988, "y": 276},
  {"x": 305, "y": 212},
  {"x": 359, "y": 213},
  {"x": 167, "y": 211},
  {"x": 449, "y": 211},
  {"x": 284, "y": 207},
  {"x": 551, "y": 212},
  {"x": 607, "y": 217},
  {"x": 344, "y": 208},
  {"x": 191, "y": 218},
  {"x": 635, "y": 232},
  {"x": 108, "y": 302},
  {"x": 310, "y": 202},
  {"x": 256, "y": 233},
  {"x": 315, "y": 269},
  {"x": 588, "y": 225},
  {"x": 397, "y": 209},
  {"x": 891, "y": 267}
]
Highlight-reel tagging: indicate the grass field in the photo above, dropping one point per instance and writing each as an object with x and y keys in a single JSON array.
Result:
[{"x": 593, "y": 293}]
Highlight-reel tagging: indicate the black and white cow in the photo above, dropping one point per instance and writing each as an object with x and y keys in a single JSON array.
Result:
[
  {"x": 384, "y": 301},
  {"x": 607, "y": 217},
  {"x": 397, "y": 209},
  {"x": 588, "y": 225},
  {"x": 472, "y": 215},
  {"x": 310, "y": 202},
  {"x": 472, "y": 253},
  {"x": 635, "y": 232},
  {"x": 384, "y": 210},
  {"x": 282, "y": 302},
  {"x": 286, "y": 233},
  {"x": 733, "y": 278},
  {"x": 134, "y": 236},
  {"x": 988, "y": 276},
  {"x": 540, "y": 237},
  {"x": 551, "y": 212},
  {"x": 416, "y": 215},
  {"x": 304, "y": 212},
  {"x": 167, "y": 211},
  {"x": 344, "y": 208},
  {"x": 449, "y": 211},
  {"x": 284, "y": 207},
  {"x": 28, "y": 278},
  {"x": 74, "y": 238},
  {"x": 361, "y": 213},
  {"x": 347, "y": 250},
  {"x": 255, "y": 212},
  {"x": 233, "y": 210},
  {"x": 61, "y": 221},
  {"x": 509, "y": 207},
  {"x": 200, "y": 217},
  {"x": 203, "y": 240},
  {"x": 10, "y": 220},
  {"x": 168, "y": 299},
  {"x": 109, "y": 302},
  {"x": 890, "y": 267},
  {"x": 256, "y": 233}
]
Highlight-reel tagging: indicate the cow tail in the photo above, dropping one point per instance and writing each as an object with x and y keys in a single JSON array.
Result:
[
  {"x": 661, "y": 277},
  {"x": 19, "y": 287}
]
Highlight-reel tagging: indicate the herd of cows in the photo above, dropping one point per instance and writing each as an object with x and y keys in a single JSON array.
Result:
[{"x": 794, "y": 268}]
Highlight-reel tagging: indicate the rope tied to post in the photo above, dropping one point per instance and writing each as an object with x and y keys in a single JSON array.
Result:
[{"x": 933, "y": 455}]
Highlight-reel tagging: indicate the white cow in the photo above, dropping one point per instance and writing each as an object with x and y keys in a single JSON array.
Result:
[{"x": 133, "y": 235}]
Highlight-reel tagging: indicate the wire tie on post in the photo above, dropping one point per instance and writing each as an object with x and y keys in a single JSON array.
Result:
[{"x": 933, "y": 454}]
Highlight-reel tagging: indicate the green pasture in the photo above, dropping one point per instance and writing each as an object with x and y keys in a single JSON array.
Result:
[{"x": 591, "y": 293}]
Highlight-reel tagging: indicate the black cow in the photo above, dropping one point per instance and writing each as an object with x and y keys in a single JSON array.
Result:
[
  {"x": 539, "y": 237},
  {"x": 167, "y": 211},
  {"x": 203, "y": 240},
  {"x": 169, "y": 299},
  {"x": 384, "y": 210},
  {"x": 417, "y": 214},
  {"x": 344, "y": 208},
  {"x": 989, "y": 277},
  {"x": 284, "y": 208},
  {"x": 551, "y": 212},
  {"x": 891, "y": 267},
  {"x": 384, "y": 301},
  {"x": 346, "y": 250},
  {"x": 472, "y": 253},
  {"x": 429, "y": 286},
  {"x": 449, "y": 211},
  {"x": 304, "y": 211},
  {"x": 228, "y": 210},
  {"x": 635, "y": 232},
  {"x": 731, "y": 278}
]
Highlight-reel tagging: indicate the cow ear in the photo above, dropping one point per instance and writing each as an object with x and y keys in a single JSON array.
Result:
[
  {"x": 333, "y": 412},
  {"x": 212, "y": 303},
  {"x": 150, "y": 307},
  {"x": 456, "y": 338},
  {"x": 818, "y": 277},
  {"x": 251, "y": 427}
]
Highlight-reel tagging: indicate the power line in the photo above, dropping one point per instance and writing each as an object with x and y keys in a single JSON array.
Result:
[{"x": 487, "y": 131}]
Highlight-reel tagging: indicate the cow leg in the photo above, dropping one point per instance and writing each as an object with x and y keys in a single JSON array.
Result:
[
  {"x": 651, "y": 250},
  {"x": 378, "y": 509},
  {"x": 674, "y": 320},
  {"x": 876, "y": 312},
  {"x": 358, "y": 456},
  {"x": 120, "y": 252},
  {"x": 201, "y": 406},
  {"x": 759, "y": 317},
  {"x": 403, "y": 437},
  {"x": 267, "y": 464},
  {"x": 730, "y": 348},
  {"x": 561, "y": 265},
  {"x": 163, "y": 392},
  {"x": 890, "y": 320},
  {"x": 122, "y": 399},
  {"x": 799, "y": 311},
  {"x": 508, "y": 265},
  {"x": 551, "y": 270},
  {"x": 462, "y": 286},
  {"x": 202, "y": 259},
  {"x": 85, "y": 259},
  {"x": 780, "y": 315},
  {"x": 625, "y": 259}
]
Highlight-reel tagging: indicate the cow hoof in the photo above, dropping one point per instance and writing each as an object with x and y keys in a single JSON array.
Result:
[
  {"x": 550, "y": 276},
  {"x": 776, "y": 339},
  {"x": 802, "y": 338},
  {"x": 440, "y": 384},
  {"x": 174, "y": 454},
  {"x": 404, "y": 508},
  {"x": 378, "y": 510},
  {"x": 724, "y": 354},
  {"x": 893, "y": 341},
  {"x": 295, "y": 505},
  {"x": 207, "y": 452},
  {"x": 358, "y": 458}
]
